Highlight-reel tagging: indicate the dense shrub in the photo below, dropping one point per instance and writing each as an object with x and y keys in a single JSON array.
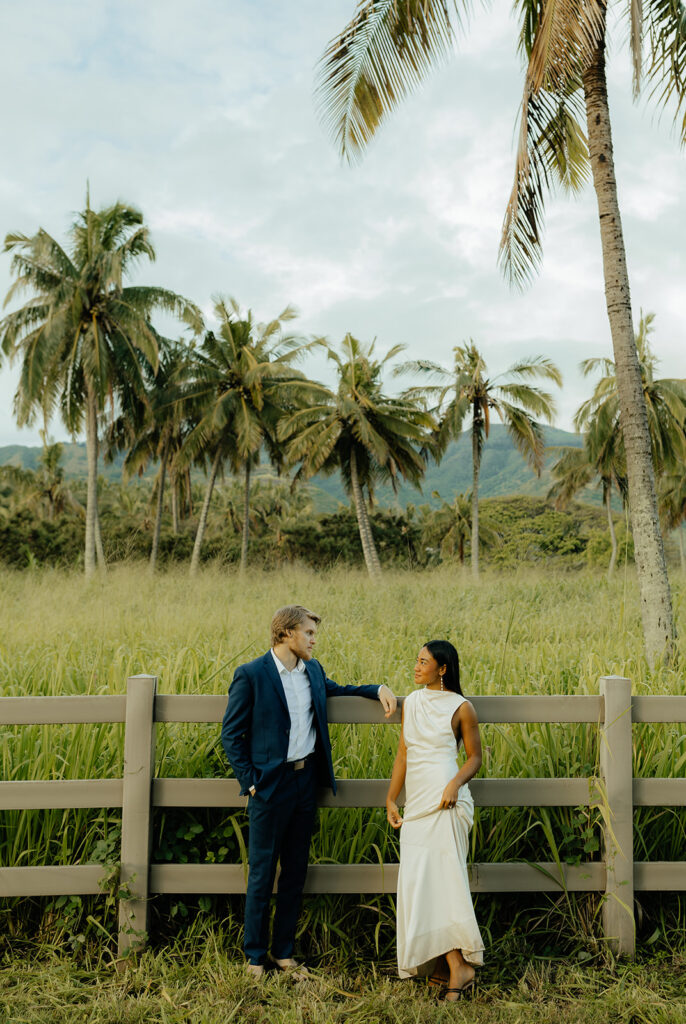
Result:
[
  {"x": 532, "y": 531},
  {"x": 528, "y": 530},
  {"x": 26, "y": 540},
  {"x": 334, "y": 539},
  {"x": 599, "y": 547}
]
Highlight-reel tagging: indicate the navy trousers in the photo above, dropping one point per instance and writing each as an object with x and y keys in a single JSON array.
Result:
[{"x": 280, "y": 830}]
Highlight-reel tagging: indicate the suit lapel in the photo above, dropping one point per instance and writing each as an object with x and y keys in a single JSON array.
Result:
[
  {"x": 314, "y": 675},
  {"x": 275, "y": 679}
]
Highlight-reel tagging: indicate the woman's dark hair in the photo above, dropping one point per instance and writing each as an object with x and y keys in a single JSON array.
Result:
[{"x": 445, "y": 654}]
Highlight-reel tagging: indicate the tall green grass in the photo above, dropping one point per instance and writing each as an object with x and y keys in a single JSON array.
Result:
[{"x": 528, "y": 633}]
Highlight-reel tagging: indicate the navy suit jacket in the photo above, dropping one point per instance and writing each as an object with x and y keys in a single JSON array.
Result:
[{"x": 257, "y": 723}]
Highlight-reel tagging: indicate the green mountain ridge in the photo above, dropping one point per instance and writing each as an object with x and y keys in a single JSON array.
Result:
[{"x": 504, "y": 471}]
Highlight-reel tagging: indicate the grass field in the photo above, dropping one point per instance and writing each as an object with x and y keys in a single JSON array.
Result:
[
  {"x": 527, "y": 633},
  {"x": 205, "y": 987}
]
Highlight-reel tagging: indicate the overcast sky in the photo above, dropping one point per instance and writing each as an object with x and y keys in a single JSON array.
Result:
[{"x": 202, "y": 115}]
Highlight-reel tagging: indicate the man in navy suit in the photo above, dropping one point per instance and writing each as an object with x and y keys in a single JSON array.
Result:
[{"x": 276, "y": 737}]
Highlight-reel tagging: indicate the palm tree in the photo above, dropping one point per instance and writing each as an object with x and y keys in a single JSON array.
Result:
[
  {"x": 152, "y": 425},
  {"x": 664, "y": 400},
  {"x": 601, "y": 456},
  {"x": 83, "y": 333},
  {"x": 43, "y": 490},
  {"x": 22, "y": 489},
  {"x": 565, "y": 81},
  {"x": 391, "y": 45},
  {"x": 284, "y": 508},
  {"x": 275, "y": 507},
  {"x": 243, "y": 383},
  {"x": 467, "y": 391},
  {"x": 673, "y": 507},
  {"x": 450, "y": 526},
  {"x": 367, "y": 435}
]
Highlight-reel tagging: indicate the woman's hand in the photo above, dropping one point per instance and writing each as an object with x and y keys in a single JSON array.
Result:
[
  {"x": 449, "y": 798},
  {"x": 393, "y": 814}
]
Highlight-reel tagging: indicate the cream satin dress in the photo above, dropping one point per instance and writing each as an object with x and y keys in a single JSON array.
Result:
[{"x": 434, "y": 905}]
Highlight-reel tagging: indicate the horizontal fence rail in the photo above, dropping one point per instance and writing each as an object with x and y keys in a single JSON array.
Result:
[
  {"x": 78, "y": 793},
  {"x": 189, "y": 708},
  {"x": 138, "y": 792}
]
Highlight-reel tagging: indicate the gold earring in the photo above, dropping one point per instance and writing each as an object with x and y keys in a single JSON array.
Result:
[{"x": 442, "y": 686}]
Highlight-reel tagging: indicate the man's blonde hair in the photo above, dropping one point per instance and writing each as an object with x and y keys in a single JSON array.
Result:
[{"x": 289, "y": 617}]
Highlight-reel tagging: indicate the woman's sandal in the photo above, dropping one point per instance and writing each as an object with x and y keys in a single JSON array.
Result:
[{"x": 461, "y": 992}]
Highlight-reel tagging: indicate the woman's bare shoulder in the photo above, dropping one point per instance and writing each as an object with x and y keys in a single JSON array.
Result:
[{"x": 467, "y": 713}]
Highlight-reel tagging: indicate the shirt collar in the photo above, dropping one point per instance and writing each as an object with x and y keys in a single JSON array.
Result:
[{"x": 280, "y": 667}]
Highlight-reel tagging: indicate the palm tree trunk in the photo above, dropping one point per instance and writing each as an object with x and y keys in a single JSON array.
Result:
[
  {"x": 99, "y": 550},
  {"x": 160, "y": 505},
  {"x": 189, "y": 493},
  {"x": 613, "y": 535},
  {"x": 246, "y": 519},
  {"x": 476, "y": 458},
  {"x": 92, "y": 487},
  {"x": 656, "y": 601},
  {"x": 369, "y": 551},
  {"x": 174, "y": 487},
  {"x": 195, "y": 557}
]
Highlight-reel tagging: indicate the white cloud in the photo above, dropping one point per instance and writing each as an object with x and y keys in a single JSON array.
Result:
[
  {"x": 654, "y": 189},
  {"x": 318, "y": 282}
]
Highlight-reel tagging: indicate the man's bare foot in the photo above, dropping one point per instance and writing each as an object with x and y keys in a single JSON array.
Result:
[
  {"x": 291, "y": 967},
  {"x": 461, "y": 978},
  {"x": 255, "y": 971}
]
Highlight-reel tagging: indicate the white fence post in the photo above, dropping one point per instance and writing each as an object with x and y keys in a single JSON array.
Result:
[
  {"x": 616, "y": 768},
  {"x": 136, "y": 825}
]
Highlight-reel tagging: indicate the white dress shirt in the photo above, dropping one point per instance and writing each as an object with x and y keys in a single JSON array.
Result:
[{"x": 296, "y": 686}]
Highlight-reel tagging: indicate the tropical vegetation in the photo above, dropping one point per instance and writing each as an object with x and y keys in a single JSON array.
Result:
[
  {"x": 390, "y": 46},
  {"x": 240, "y": 385},
  {"x": 288, "y": 529},
  {"x": 152, "y": 429},
  {"x": 673, "y": 507},
  {"x": 450, "y": 528},
  {"x": 578, "y": 468},
  {"x": 603, "y": 454},
  {"x": 360, "y": 431},
  {"x": 44, "y": 491},
  {"x": 231, "y": 399},
  {"x": 664, "y": 398},
  {"x": 466, "y": 392},
  {"x": 83, "y": 334},
  {"x": 565, "y": 87}
]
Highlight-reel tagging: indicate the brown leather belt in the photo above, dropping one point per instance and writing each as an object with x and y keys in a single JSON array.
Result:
[{"x": 298, "y": 766}]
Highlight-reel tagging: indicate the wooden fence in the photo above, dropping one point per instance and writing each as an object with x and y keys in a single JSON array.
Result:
[{"x": 616, "y": 792}]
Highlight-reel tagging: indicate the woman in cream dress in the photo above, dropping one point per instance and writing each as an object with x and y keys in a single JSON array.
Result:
[{"x": 435, "y": 918}]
